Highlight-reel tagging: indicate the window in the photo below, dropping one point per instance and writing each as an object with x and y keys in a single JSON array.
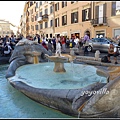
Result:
[
  {"x": 115, "y": 8},
  {"x": 46, "y": 24},
  {"x": 40, "y": 14},
  {"x": 37, "y": 5},
  {"x": 57, "y": 22},
  {"x": 40, "y": 3},
  {"x": 46, "y": 11},
  {"x": 73, "y": 2},
  {"x": 74, "y": 17},
  {"x": 64, "y": 3},
  {"x": 64, "y": 20},
  {"x": 51, "y": 9},
  {"x": 33, "y": 28},
  {"x": 37, "y": 16},
  {"x": 51, "y": 23},
  {"x": 57, "y": 6},
  {"x": 100, "y": 14},
  {"x": 86, "y": 14},
  {"x": 36, "y": 27},
  {"x": 41, "y": 26}
]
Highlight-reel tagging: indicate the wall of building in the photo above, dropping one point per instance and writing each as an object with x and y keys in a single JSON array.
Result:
[{"x": 110, "y": 29}]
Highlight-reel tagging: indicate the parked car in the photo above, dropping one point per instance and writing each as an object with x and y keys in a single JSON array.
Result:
[{"x": 101, "y": 44}]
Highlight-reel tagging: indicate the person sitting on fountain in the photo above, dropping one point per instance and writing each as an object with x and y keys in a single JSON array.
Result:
[{"x": 58, "y": 46}]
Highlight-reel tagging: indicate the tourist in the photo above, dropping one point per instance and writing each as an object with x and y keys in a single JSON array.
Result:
[
  {"x": 49, "y": 45},
  {"x": 112, "y": 51},
  {"x": 54, "y": 43},
  {"x": 76, "y": 40},
  {"x": 37, "y": 38},
  {"x": 86, "y": 43},
  {"x": 63, "y": 43},
  {"x": 58, "y": 46},
  {"x": 44, "y": 45}
]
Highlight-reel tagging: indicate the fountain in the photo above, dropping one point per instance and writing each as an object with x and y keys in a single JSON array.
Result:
[
  {"x": 59, "y": 61},
  {"x": 29, "y": 73}
]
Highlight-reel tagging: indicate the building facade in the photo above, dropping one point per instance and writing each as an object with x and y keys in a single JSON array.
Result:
[
  {"x": 46, "y": 18},
  {"x": 67, "y": 18},
  {"x": 5, "y": 28}
]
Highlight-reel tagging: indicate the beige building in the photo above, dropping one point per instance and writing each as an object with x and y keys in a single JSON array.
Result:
[
  {"x": 46, "y": 18},
  {"x": 5, "y": 28},
  {"x": 100, "y": 18},
  {"x": 97, "y": 18},
  {"x": 32, "y": 18}
]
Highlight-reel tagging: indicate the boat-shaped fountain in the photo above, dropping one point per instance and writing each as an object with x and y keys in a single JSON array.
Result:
[{"x": 54, "y": 81}]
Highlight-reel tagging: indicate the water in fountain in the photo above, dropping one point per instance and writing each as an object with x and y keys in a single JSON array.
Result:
[{"x": 43, "y": 76}]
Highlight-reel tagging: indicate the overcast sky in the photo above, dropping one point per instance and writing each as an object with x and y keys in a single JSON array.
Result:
[{"x": 12, "y": 11}]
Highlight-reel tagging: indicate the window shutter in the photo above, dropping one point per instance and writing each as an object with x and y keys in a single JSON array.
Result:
[
  {"x": 62, "y": 4},
  {"x": 55, "y": 22},
  {"x": 58, "y": 5},
  {"x": 58, "y": 22},
  {"x": 96, "y": 12},
  {"x": 62, "y": 20},
  {"x": 77, "y": 16},
  {"x": 89, "y": 14},
  {"x": 72, "y": 17},
  {"x": 113, "y": 9},
  {"x": 55, "y": 7},
  {"x": 83, "y": 15},
  {"x": 104, "y": 10},
  {"x": 66, "y": 3}
]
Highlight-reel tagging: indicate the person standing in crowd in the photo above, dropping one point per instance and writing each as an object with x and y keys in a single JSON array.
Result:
[
  {"x": 63, "y": 43},
  {"x": 76, "y": 40},
  {"x": 112, "y": 51},
  {"x": 37, "y": 38},
  {"x": 86, "y": 43},
  {"x": 54, "y": 43},
  {"x": 49, "y": 45},
  {"x": 58, "y": 46}
]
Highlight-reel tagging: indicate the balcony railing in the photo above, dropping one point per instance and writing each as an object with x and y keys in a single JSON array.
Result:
[
  {"x": 99, "y": 21},
  {"x": 45, "y": 17},
  {"x": 40, "y": 20}
]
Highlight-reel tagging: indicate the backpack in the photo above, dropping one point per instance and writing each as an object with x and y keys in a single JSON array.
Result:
[
  {"x": 6, "y": 48},
  {"x": 104, "y": 59}
]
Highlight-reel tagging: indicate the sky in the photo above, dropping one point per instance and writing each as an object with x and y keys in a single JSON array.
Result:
[{"x": 11, "y": 11}]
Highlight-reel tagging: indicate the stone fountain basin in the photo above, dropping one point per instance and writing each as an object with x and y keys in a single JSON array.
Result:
[{"x": 64, "y": 100}]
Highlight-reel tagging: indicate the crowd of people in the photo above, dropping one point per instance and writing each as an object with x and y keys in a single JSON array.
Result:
[
  {"x": 7, "y": 44},
  {"x": 56, "y": 44}
]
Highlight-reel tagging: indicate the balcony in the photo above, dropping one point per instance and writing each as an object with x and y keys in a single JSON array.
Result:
[
  {"x": 40, "y": 20},
  {"x": 45, "y": 17},
  {"x": 102, "y": 21}
]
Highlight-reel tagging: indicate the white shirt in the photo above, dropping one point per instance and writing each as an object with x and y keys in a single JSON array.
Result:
[{"x": 58, "y": 48}]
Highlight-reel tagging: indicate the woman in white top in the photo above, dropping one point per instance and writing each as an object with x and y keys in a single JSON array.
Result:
[{"x": 58, "y": 47}]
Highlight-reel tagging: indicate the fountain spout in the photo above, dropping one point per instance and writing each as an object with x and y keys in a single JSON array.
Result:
[{"x": 59, "y": 61}]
